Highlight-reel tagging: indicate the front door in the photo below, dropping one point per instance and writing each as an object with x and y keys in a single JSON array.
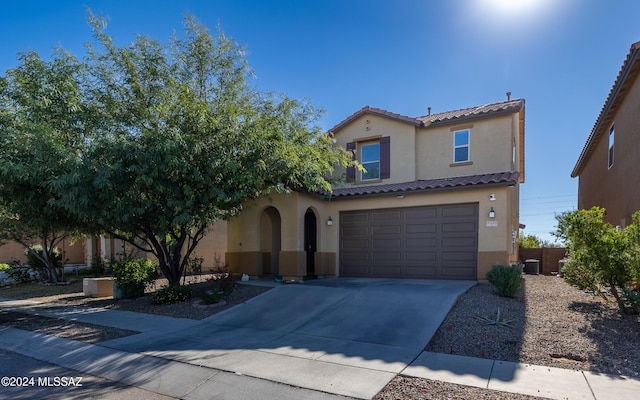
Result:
[{"x": 310, "y": 241}]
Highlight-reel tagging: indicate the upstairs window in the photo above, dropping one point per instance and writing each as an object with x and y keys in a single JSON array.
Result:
[
  {"x": 370, "y": 160},
  {"x": 612, "y": 134},
  {"x": 461, "y": 146}
]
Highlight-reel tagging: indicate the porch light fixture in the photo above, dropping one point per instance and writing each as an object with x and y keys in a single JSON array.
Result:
[
  {"x": 492, "y": 213},
  {"x": 329, "y": 221}
]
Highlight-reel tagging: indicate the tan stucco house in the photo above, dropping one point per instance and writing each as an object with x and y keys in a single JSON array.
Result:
[
  {"x": 439, "y": 199},
  {"x": 608, "y": 167}
]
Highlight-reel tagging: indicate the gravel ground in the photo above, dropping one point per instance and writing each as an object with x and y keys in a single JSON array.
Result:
[{"x": 549, "y": 323}]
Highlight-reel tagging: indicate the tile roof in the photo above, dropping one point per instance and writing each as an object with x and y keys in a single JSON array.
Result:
[
  {"x": 510, "y": 178},
  {"x": 486, "y": 110},
  {"x": 628, "y": 73},
  {"x": 375, "y": 111}
]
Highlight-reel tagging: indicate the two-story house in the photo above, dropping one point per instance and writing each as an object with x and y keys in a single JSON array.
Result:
[
  {"x": 438, "y": 198},
  {"x": 609, "y": 165}
]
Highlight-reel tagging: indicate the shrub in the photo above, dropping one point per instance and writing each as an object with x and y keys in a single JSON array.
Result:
[
  {"x": 20, "y": 274},
  {"x": 133, "y": 275},
  {"x": 507, "y": 280},
  {"x": 97, "y": 265},
  {"x": 172, "y": 294},
  {"x": 4, "y": 267}
]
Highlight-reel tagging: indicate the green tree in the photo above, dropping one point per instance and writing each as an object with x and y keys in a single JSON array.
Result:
[
  {"x": 41, "y": 136},
  {"x": 529, "y": 241},
  {"x": 601, "y": 256},
  {"x": 183, "y": 140}
]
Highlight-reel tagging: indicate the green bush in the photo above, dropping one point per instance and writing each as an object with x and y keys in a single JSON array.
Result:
[
  {"x": 37, "y": 265},
  {"x": 97, "y": 265},
  {"x": 172, "y": 294},
  {"x": 19, "y": 274},
  {"x": 133, "y": 275},
  {"x": 507, "y": 280},
  {"x": 4, "y": 267}
]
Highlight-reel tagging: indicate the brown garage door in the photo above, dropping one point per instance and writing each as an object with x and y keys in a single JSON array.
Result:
[{"x": 434, "y": 242}]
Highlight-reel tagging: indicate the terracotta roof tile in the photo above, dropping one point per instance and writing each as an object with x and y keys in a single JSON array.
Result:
[
  {"x": 375, "y": 111},
  {"x": 474, "y": 112},
  {"x": 429, "y": 184},
  {"x": 444, "y": 117}
]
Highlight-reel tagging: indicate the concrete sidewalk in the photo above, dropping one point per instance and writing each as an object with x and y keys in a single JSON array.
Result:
[{"x": 242, "y": 354}]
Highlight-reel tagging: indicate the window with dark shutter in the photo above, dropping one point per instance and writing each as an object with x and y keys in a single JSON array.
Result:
[
  {"x": 385, "y": 157},
  {"x": 351, "y": 171}
]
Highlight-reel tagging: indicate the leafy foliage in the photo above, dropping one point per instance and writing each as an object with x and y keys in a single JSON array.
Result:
[
  {"x": 42, "y": 128},
  {"x": 182, "y": 140},
  {"x": 172, "y": 294},
  {"x": 150, "y": 143},
  {"x": 134, "y": 274},
  {"x": 602, "y": 256},
  {"x": 507, "y": 280},
  {"x": 529, "y": 241}
]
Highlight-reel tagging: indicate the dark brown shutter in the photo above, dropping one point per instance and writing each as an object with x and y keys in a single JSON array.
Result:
[
  {"x": 351, "y": 171},
  {"x": 385, "y": 157}
]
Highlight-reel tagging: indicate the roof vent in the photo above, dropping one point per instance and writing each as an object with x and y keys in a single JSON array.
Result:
[
  {"x": 508, "y": 96},
  {"x": 428, "y": 111}
]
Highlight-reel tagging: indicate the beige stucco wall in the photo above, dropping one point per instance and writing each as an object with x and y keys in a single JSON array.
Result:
[
  {"x": 72, "y": 250},
  {"x": 402, "y": 144},
  {"x": 213, "y": 246},
  {"x": 490, "y": 149},
  {"x": 615, "y": 188},
  {"x": 495, "y": 244}
]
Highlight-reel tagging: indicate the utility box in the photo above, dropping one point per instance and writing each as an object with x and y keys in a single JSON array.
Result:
[
  {"x": 532, "y": 267},
  {"x": 98, "y": 287}
]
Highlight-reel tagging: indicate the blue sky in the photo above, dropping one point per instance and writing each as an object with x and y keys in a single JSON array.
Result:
[{"x": 562, "y": 56}]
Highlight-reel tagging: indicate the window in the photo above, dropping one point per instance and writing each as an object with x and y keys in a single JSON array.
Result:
[
  {"x": 461, "y": 146},
  {"x": 370, "y": 160},
  {"x": 611, "y": 140}
]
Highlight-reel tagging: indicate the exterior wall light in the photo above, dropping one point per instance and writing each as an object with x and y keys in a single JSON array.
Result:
[
  {"x": 492, "y": 213},
  {"x": 329, "y": 221}
]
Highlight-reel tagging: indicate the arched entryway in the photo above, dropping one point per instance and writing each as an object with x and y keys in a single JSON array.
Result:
[
  {"x": 270, "y": 241},
  {"x": 310, "y": 241}
]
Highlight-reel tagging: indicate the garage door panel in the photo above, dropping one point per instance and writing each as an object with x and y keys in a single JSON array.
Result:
[
  {"x": 420, "y": 256},
  {"x": 458, "y": 227},
  {"x": 356, "y": 231},
  {"x": 459, "y": 211},
  {"x": 464, "y": 242},
  {"x": 381, "y": 257},
  {"x": 421, "y": 228},
  {"x": 421, "y": 213},
  {"x": 458, "y": 256},
  {"x": 385, "y": 272},
  {"x": 436, "y": 242},
  {"x": 385, "y": 230},
  {"x": 421, "y": 242},
  {"x": 379, "y": 217},
  {"x": 386, "y": 243},
  {"x": 355, "y": 218}
]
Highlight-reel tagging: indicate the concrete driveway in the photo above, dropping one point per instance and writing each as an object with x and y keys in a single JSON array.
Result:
[{"x": 342, "y": 336}]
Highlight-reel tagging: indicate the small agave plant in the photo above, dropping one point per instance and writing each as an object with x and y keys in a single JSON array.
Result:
[{"x": 497, "y": 320}]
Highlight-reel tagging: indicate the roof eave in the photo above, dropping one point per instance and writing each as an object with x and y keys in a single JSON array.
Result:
[{"x": 608, "y": 107}]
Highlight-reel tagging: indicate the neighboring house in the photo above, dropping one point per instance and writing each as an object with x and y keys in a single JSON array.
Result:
[
  {"x": 609, "y": 166},
  {"x": 439, "y": 199}
]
